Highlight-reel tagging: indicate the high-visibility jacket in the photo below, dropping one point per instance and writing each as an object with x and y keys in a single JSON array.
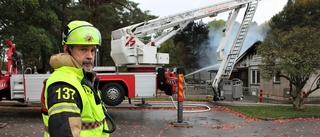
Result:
[{"x": 92, "y": 113}]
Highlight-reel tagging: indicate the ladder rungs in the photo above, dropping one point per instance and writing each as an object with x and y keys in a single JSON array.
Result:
[{"x": 236, "y": 47}]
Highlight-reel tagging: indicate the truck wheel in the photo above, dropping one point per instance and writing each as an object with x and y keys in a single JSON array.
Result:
[{"x": 112, "y": 94}]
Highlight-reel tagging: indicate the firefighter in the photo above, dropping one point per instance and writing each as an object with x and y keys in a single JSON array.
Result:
[{"x": 71, "y": 103}]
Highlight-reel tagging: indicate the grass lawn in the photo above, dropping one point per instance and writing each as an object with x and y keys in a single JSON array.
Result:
[{"x": 277, "y": 111}]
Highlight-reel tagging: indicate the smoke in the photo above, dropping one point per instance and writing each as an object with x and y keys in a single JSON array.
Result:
[{"x": 256, "y": 33}]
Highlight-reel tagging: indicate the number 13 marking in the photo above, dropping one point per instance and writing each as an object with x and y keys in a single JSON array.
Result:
[{"x": 66, "y": 93}]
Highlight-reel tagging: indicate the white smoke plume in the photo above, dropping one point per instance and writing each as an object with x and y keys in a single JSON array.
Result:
[{"x": 256, "y": 33}]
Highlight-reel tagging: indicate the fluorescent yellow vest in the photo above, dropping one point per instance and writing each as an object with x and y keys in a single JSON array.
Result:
[{"x": 91, "y": 113}]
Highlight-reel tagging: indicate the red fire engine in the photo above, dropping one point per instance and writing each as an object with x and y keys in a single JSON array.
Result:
[{"x": 145, "y": 75}]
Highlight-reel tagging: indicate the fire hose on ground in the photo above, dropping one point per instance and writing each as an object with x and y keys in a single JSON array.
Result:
[
  {"x": 192, "y": 111},
  {"x": 186, "y": 111}
]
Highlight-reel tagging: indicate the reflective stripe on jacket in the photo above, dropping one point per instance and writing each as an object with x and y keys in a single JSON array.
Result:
[{"x": 92, "y": 114}]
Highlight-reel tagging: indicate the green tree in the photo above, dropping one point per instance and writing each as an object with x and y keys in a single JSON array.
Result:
[
  {"x": 299, "y": 13},
  {"x": 291, "y": 47},
  {"x": 217, "y": 25},
  {"x": 37, "y": 42},
  {"x": 172, "y": 50},
  {"x": 31, "y": 25},
  {"x": 294, "y": 55},
  {"x": 191, "y": 42}
]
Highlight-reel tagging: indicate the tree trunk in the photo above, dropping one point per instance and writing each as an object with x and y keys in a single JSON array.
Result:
[{"x": 298, "y": 103}]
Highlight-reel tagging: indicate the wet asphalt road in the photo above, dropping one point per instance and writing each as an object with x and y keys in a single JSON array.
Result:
[{"x": 157, "y": 122}]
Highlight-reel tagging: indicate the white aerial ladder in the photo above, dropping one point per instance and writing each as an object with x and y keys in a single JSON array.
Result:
[{"x": 228, "y": 61}]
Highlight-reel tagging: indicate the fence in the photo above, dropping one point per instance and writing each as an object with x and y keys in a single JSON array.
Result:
[
  {"x": 197, "y": 91},
  {"x": 202, "y": 90}
]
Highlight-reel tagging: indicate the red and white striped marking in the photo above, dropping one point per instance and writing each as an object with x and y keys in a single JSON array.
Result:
[{"x": 130, "y": 41}]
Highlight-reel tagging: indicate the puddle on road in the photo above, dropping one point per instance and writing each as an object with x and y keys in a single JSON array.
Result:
[{"x": 209, "y": 121}]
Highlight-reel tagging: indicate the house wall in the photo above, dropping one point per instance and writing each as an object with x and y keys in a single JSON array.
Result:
[{"x": 270, "y": 87}]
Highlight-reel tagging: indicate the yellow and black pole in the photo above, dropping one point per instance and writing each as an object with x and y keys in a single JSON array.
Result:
[{"x": 180, "y": 98}]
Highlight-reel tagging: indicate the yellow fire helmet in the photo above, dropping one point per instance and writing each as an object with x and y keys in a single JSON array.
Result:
[{"x": 81, "y": 33}]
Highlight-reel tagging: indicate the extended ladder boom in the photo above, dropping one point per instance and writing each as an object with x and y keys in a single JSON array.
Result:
[
  {"x": 180, "y": 18},
  {"x": 228, "y": 61},
  {"x": 127, "y": 49}
]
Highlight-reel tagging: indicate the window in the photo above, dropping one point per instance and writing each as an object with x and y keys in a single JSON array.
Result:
[
  {"x": 277, "y": 78},
  {"x": 255, "y": 77}
]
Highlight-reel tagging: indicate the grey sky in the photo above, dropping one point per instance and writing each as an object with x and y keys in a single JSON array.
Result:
[{"x": 266, "y": 8}]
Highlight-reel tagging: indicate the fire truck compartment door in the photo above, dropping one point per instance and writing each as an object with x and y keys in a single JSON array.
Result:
[
  {"x": 145, "y": 85},
  {"x": 34, "y": 84}
]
